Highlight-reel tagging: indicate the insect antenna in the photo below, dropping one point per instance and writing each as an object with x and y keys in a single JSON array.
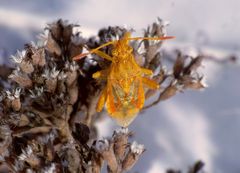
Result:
[
  {"x": 151, "y": 38},
  {"x": 92, "y": 51}
]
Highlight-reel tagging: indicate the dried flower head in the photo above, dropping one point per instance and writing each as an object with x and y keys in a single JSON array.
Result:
[
  {"x": 15, "y": 94},
  {"x": 18, "y": 58},
  {"x": 137, "y": 148}
]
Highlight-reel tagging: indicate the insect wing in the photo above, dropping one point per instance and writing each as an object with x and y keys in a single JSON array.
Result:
[{"x": 124, "y": 107}]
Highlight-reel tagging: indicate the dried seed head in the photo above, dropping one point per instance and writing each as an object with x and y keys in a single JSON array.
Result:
[
  {"x": 120, "y": 131},
  {"x": 23, "y": 80},
  {"x": 51, "y": 85},
  {"x": 29, "y": 170},
  {"x": 18, "y": 58},
  {"x": 42, "y": 39},
  {"x": 50, "y": 73},
  {"x": 50, "y": 169},
  {"x": 73, "y": 66},
  {"x": 49, "y": 137},
  {"x": 52, "y": 46},
  {"x": 37, "y": 92},
  {"x": 6, "y": 139},
  {"x": 26, "y": 153},
  {"x": 105, "y": 149},
  {"x": 54, "y": 73},
  {"x": 9, "y": 95},
  {"x": 70, "y": 160},
  {"x": 77, "y": 40},
  {"x": 102, "y": 145},
  {"x": 38, "y": 57},
  {"x": 62, "y": 76},
  {"x": 195, "y": 84},
  {"x": 178, "y": 66},
  {"x": 73, "y": 94},
  {"x": 18, "y": 165},
  {"x": 137, "y": 148},
  {"x": 133, "y": 155},
  {"x": 193, "y": 65},
  {"x": 170, "y": 91},
  {"x": 26, "y": 67},
  {"x": 120, "y": 138},
  {"x": 15, "y": 94},
  {"x": 16, "y": 104}
]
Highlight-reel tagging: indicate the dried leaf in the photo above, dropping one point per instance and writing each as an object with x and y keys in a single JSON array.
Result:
[
  {"x": 194, "y": 64},
  {"x": 178, "y": 66}
]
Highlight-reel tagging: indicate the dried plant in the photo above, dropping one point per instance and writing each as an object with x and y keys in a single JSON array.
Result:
[{"x": 48, "y": 111}]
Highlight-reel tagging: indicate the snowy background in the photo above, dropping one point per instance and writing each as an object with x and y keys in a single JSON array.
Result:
[{"x": 193, "y": 125}]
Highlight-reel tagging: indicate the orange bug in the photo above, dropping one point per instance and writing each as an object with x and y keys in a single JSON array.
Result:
[{"x": 124, "y": 94}]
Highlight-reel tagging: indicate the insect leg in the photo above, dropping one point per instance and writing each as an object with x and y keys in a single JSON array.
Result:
[
  {"x": 150, "y": 83},
  {"x": 103, "y": 55},
  {"x": 102, "y": 100},
  {"x": 140, "y": 96},
  {"x": 146, "y": 71},
  {"x": 110, "y": 100}
]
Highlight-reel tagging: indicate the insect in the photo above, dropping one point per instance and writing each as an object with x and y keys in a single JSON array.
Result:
[{"x": 124, "y": 93}]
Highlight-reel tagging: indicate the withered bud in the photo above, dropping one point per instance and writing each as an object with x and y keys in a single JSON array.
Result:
[
  {"x": 73, "y": 94},
  {"x": 13, "y": 99},
  {"x": 38, "y": 57},
  {"x": 71, "y": 157},
  {"x": 151, "y": 52},
  {"x": 76, "y": 45},
  {"x": 51, "y": 168},
  {"x": 132, "y": 156},
  {"x": 120, "y": 138},
  {"x": 15, "y": 94},
  {"x": 67, "y": 32},
  {"x": 51, "y": 85},
  {"x": 95, "y": 165},
  {"x": 19, "y": 57},
  {"x": 139, "y": 58},
  {"x": 26, "y": 67},
  {"x": 194, "y": 64},
  {"x": 170, "y": 91},
  {"x": 75, "y": 50},
  {"x": 155, "y": 62},
  {"x": 178, "y": 66},
  {"x": 5, "y": 138},
  {"x": 23, "y": 120},
  {"x": 16, "y": 104},
  {"x": 29, "y": 156},
  {"x": 105, "y": 149},
  {"x": 195, "y": 84},
  {"x": 23, "y": 80},
  {"x": 55, "y": 28},
  {"x": 49, "y": 151},
  {"x": 71, "y": 77},
  {"x": 52, "y": 46}
]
